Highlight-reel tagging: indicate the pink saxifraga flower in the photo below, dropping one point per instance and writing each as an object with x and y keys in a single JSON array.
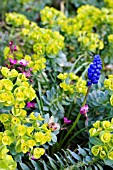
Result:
[
  {"x": 84, "y": 109},
  {"x": 12, "y": 61},
  {"x": 19, "y": 68},
  {"x": 66, "y": 121},
  {"x": 30, "y": 104},
  {"x": 27, "y": 73},
  {"x": 23, "y": 62},
  {"x": 52, "y": 125}
]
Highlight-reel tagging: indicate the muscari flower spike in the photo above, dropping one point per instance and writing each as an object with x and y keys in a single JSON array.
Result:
[{"x": 94, "y": 70}]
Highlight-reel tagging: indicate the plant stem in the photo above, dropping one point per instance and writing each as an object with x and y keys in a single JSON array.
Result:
[
  {"x": 45, "y": 80},
  {"x": 70, "y": 109},
  {"x": 74, "y": 64},
  {"x": 40, "y": 94},
  {"x": 77, "y": 119},
  {"x": 38, "y": 102}
]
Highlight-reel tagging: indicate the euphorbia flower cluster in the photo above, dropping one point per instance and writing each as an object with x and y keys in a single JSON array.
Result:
[{"x": 102, "y": 131}]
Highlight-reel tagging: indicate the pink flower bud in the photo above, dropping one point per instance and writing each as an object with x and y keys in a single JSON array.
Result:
[
  {"x": 10, "y": 43},
  {"x": 30, "y": 104},
  {"x": 12, "y": 61},
  {"x": 66, "y": 121},
  {"x": 15, "y": 48},
  {"x": 84, "y": 109}
]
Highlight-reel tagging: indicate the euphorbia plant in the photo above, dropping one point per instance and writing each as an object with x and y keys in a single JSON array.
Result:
[{"x": 27, "y": 132}]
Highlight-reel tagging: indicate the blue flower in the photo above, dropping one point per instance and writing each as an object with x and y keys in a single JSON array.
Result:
[{"x": 94, "y": 70}]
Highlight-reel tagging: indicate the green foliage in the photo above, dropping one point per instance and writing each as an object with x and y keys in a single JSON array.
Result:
[
  {"x": 66, "y": 159},
  {"x": 101, "y": 139},
  {"x": 43, "y": 85}
]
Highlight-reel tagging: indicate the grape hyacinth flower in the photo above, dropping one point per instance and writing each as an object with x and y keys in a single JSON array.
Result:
[{"x": 94, "y": 70}]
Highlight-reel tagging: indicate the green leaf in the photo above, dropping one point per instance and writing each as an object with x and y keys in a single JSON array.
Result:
[
  {"x": 18, "y": 157},
  {"x": 60, "y": 107},
  {"x": 80, "y": 67},
  {"x": 77, "y": 157},
  {"x": 73, "y": 167},
  {"x": 88, "y": 159},
  {"x": 1, "y": 105},
  {"x": 108, "y": 162},
  {"x": 53, "y": 109},
  {"x": 36, "y": 166},
  {"x": 52, "y": 163},
  {"x": 59, "y": 160},
  {"x": 39, "y": 89},
  {"x": 23, "y": 166},
  {"x": 95, "y": 141},
  {"x": 46, "y": 101},
  {"x": 54, "y": 138},
  {"x": 44, "y": 164},
  {"x": 82, "y": 151},
  {"x": 99, "y": 166},
  {"x": 49, "y": 96}
]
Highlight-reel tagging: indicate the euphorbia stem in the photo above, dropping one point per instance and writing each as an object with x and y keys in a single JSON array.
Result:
[{"x": 76, "y": 120}]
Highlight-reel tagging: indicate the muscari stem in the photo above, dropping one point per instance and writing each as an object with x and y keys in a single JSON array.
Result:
[{"x": 76, "y": 120}]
